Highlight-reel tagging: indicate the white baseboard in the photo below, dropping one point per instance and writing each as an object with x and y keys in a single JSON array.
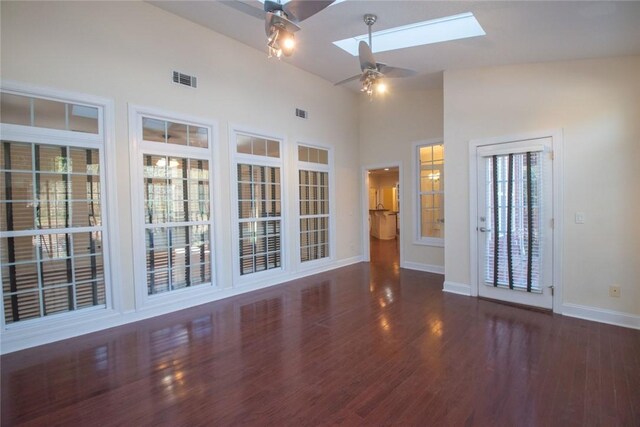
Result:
[
  {"x": 429, "y": 268},
  {"x": 602, "y": 315},
  {"x": 19, "y": 337},
  {"x": 457, "y": 288}
]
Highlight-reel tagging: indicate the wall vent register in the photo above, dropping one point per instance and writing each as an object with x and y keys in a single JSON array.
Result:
[
  {"x": 184, "y": 79},
  {"x": 301, "y": 113}
]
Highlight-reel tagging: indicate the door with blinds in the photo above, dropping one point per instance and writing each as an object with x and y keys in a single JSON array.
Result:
[{"x": 515, "y": 224}]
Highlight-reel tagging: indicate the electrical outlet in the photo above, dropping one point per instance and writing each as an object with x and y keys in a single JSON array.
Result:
[{"x": 614, "y": 291}]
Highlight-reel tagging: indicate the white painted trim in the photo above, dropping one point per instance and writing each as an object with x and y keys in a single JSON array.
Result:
[
  {"x": 415, "y": 179},
  {"x": 137, "y": 147},
  {"x": 109, "y": 319},
  {"x": 557, "y": 143},
  {"x": 457, "y": 288},
  {"x": 428, "y": 268},
  {"x": 113, "y": 222},
  {"x": 364, "y": 202},
  {"x": 601, "y": 315}
]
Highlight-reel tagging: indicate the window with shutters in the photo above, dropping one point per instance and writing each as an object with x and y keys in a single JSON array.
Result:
[
  {"x": 259, "y": 203},
  {"x": 430, "y": 177},
  {"x": 173, "y": 170},
  {"x": 313, "y": 190},
  {"x": 52, "y": 232}
]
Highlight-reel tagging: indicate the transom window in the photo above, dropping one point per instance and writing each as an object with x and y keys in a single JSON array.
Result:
[
  {"x": 49, "y": 114},
  {"x": 431, "y": 193},
  {"x": 51, "y": 210},
  {"x": 259, "y": 212},
  {"x": 168, "y": 132},
  {"x": 313, "y": 178}
]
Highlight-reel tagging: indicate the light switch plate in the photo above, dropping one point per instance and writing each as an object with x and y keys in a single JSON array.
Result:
[{"x": 580, "y": 217}]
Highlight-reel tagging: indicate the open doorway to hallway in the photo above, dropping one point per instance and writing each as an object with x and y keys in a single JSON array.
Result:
[{"x": 384, "y": 214}]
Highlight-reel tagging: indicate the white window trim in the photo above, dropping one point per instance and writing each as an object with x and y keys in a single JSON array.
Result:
[
  {"x": 415, "y": 170},
  {"x": 272, "y": 275},
  {"x": 33, "y": 331},
  {"x": 137, "y": 146},
  {"x": 314, "y": 264}
]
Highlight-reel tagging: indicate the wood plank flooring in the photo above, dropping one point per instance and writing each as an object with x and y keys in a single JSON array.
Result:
[{"x": 368, "y": 344}]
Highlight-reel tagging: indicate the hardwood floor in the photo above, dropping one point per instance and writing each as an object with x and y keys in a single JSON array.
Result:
[{"x": 361, "y": 345}]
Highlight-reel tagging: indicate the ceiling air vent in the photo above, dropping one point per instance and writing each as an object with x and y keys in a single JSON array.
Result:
[
  {"x": 184, "y": 79},
  {"x": 301, "y": 113}
]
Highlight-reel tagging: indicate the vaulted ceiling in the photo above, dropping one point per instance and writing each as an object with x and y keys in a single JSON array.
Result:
[{"x": 516, "y": 32}]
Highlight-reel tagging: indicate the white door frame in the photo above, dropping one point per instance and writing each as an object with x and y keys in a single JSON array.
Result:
[
  {"x": 557, "y": 147},
  {"x": 364, "y": 203}
]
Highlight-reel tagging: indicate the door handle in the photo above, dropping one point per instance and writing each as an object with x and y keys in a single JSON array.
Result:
[{"x": 484, "y": 230}]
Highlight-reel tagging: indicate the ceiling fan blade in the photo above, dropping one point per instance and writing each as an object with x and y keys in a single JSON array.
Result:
[
  {"x": 350, "y": 79},
  {"x": 367, "y": 61},
  {"x": 395, "y": 72},
  {"x": 299, "y": 10},
  {"x": 279, "y": 21},
  {"x": 245, "y": 8},
  {"x": 270, "y": 6}
]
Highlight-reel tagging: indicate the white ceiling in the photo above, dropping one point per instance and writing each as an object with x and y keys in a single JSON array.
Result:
[{"x": 517, "y": 32}]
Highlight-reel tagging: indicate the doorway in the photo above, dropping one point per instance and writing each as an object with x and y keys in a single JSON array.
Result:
[
  {"x": 382, "y": 203},
  {"x": 516, "y": 201}
]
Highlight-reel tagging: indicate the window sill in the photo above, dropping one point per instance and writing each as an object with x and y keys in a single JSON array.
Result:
[{"x": 429, "y": 242}]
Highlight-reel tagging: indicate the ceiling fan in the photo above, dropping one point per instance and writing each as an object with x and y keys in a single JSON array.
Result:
[
  {"x": 374, "y": 73},
  {"x": 280, "y": 20}
]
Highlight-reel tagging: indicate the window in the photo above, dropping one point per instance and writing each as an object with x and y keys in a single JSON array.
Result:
[
  {"x": 49, "y": 114},
  {"x": 513, "y": 205},
  {"x": 173, "y": 166},
  {"x": 52, "y": 247},
  {"x": 259, "y": 211},
  {"x": 313, "y": 179},
  {"x": 431, "y": 193}
]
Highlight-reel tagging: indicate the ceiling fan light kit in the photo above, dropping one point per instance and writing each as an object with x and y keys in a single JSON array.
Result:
[
  {"x": 374, "y": 73},
  {"x": 280, "y": 42},
  {"x": 281, "y": 23},
  {"x": 280, "y": 20}
]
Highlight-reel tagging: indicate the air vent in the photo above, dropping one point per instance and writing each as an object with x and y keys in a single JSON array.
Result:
[
  {"x": 184, "y": 79},
  {"x": 301, "y": 113}
]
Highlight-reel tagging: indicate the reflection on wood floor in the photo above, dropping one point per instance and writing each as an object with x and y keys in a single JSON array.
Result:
[{"x": 368, "y": 344}]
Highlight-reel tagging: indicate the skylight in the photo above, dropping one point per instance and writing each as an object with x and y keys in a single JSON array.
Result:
[{"x": 427, "y": 32}]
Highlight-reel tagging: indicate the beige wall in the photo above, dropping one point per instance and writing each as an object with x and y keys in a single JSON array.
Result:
[
  {"x": 389, "y": 126},
  {"x": 126, "y": 51},
  {"x": 597, "y": 105}
]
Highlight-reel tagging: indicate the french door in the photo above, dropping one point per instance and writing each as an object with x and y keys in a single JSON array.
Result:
[{"x": 515, "y": 224}]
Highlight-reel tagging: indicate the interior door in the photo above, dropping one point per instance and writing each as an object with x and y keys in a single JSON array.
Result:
[{"x": 515, "y": 224}]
